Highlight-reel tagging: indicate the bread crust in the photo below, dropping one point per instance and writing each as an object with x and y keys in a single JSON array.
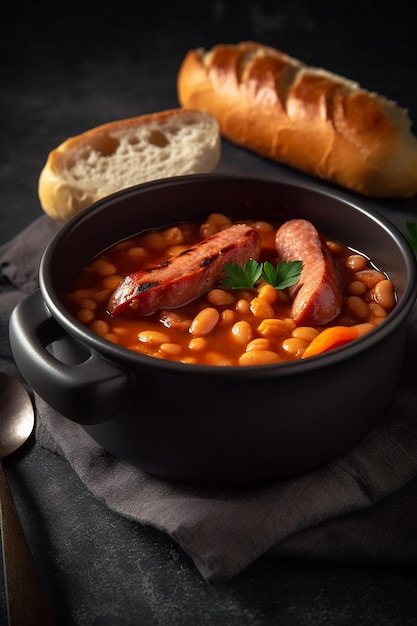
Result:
[
  {"x": 82, "y": 169},
  {"x": 304, "y": 117}
]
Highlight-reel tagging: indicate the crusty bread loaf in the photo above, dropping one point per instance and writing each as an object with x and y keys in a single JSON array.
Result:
[
  {"x": 304, "y": 117},
  {"x": 123, "y": 153}
]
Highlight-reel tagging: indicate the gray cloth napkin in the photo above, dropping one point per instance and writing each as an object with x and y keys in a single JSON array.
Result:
[{"x": 360, "y": 509}]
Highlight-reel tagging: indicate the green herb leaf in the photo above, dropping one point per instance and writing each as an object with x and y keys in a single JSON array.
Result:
[
  {"x": 284, "y": 275},
  {"x": 239, "y": 277},
  {"x": 412, "y": 232}
]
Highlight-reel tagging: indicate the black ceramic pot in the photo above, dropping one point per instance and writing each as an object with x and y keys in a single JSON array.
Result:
[{"x": 213, "y": 425}]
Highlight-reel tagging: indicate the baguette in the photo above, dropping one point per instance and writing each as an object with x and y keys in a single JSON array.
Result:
[
  {"x": 123, "y": 153},
  {"x": 304, "y": 117}
]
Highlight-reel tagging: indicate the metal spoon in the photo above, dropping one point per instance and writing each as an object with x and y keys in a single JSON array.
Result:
[{"x": 26, "y": 601}]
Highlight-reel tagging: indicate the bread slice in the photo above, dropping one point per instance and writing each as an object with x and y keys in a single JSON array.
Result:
[{"x": 127, "y": 152}]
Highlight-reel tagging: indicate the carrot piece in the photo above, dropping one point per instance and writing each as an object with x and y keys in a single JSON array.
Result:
[{"x": 330, "y": 338}]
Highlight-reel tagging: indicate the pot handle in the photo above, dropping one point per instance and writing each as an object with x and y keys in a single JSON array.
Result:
[{"x": 85, "y": 387}]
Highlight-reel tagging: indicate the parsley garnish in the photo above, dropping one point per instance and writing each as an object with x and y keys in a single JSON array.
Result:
[
  {"x": 412, "y": 232},
  {"x": 284, "y": 275},
  {"x": 239, "y": 277}
]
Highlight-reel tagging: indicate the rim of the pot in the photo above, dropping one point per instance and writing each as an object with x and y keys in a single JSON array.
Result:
[{"x": 131, "y": 359}]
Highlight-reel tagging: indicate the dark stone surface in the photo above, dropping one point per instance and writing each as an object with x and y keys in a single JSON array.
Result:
[{"x": 62, "y": 72}]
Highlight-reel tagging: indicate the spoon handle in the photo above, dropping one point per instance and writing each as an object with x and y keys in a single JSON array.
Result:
[{"x": 26, "y": 600}]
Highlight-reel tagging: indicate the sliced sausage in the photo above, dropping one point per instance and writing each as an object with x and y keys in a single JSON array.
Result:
[
  {"x": 317, "y": 297},
  {"x": 172, "y": 319},
  {"x": 186, "y": 276}
]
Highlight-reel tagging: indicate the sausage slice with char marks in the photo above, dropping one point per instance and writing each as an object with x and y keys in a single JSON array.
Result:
[
  {"x": 317, "y": 297},
  {"x": 186, "y": 276}
]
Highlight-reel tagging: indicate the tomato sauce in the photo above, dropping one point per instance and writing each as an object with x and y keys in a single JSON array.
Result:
[{"x": 225, "y": 327}]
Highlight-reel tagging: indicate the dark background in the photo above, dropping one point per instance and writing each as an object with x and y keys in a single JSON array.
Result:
[{"x": 65, "y": 69}]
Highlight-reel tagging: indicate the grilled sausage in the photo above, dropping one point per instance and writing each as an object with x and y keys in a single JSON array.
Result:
[
  {"x": 317, "y": 297},
  {"x": 186, "y": 276}
]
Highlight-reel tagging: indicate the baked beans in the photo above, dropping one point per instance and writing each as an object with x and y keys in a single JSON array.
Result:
[{"x": 224, "y": 326}]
